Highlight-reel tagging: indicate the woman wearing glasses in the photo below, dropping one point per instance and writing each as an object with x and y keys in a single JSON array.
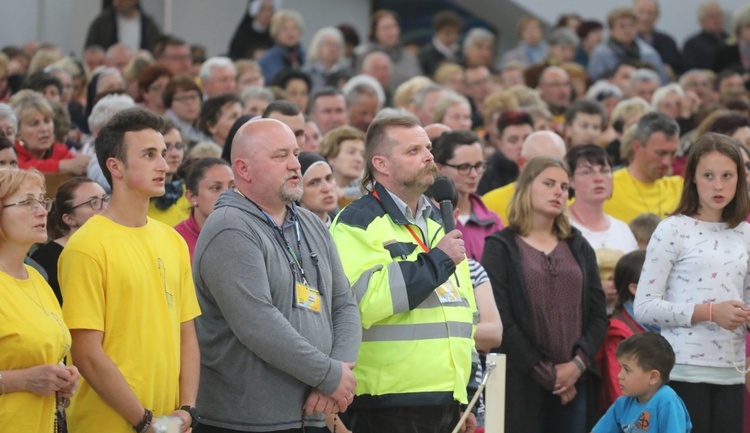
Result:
[
  {"x": 591, "y": 179},
  {"x": 33, "y": 336},
  {"x": 173, "y": 207},
  {"x": 76, "y": 201},
  {"x": 460, "y": 157}
]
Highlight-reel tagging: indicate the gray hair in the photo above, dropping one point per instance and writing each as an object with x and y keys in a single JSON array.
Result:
[
  {"x": 651, "y": 123},
  {"x": 208, "y": 67},
  {"x": 642, "y": 75},
  {"x": 359, "y": 85},
  {"x": 684, "y": 77},
  {"x": 563, "y": 36},
  {"x": 108, "y": 71},
  {"x": 603, "y": 89},
  {"x": 118, "y": 47},
  {"x": 7, "y": 112},
  {"x": 389, "y": 112},
  {"x": 255, "y": 92},
  {"x": 477, "y": 34},
  {"x": 662, "y": 93},
  {"x": 422, "y": 93},
  {"x": 107, "y": 107},
  {"x": 313, "y": 51}
]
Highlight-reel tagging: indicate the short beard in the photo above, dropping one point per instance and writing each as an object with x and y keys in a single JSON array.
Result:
[{"x": 289, "y": 195}]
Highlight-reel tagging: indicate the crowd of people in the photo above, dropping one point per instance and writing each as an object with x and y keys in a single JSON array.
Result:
[{"x": 260, "y": 241}]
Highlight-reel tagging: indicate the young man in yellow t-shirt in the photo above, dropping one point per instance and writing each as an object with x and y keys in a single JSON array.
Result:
[
  {"x": 644, "y": 185},
  {"x": 129, "y": 295}
]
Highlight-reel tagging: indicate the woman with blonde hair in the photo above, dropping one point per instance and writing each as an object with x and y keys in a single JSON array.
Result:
[
  {"x": 547, "y": 288},
  {"x": 35, "y": 145},
  {"x": 33, "y": 337},
  {"x": 325, "y": 57},
  {"x": 454, "y": 111}
]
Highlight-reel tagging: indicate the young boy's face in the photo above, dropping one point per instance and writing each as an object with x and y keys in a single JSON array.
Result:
[
  {"x": 635, "y": 381},
  {"x": 146, "y": 167},
  {"x": 584, "y": 129}
]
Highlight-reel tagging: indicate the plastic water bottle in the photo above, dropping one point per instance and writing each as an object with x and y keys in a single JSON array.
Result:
[{"x": 167, "y": 424}]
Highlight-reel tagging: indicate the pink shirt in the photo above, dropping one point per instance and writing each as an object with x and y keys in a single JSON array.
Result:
[{"x": 189, "y": 230}]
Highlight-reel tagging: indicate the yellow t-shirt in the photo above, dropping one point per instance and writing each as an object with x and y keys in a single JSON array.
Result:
[
  {"x": 32, "y": 332},
  {"x": 135, "y": 285},
  {"x": 498, "y": 200},
  {"x": 631, "y": 197},
  {"x": 175, "y": 214}
]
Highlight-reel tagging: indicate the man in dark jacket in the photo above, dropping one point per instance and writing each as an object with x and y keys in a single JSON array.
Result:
[
  {"x": 124, "y": 22},
  {"x": 700, "y": 49},
  {"x": 444, "y": 45},
  {"x": 647, "y": 13}
]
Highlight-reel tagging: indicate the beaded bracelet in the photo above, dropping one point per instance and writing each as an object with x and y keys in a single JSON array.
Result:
[{"x": 145, "y": 423}]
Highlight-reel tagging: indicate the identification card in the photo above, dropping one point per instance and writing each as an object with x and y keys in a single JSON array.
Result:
[
  {"x": 447, "y": 293},
  {"x": 307, "y": 297}
]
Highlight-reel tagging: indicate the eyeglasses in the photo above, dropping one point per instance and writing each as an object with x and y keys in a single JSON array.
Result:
[
  {"x": 95, "y": 203},
  {"x": 32, "y": 204},
  {"x": 187, "y": 98},
  {"x": 177, "y": 146},
  {"x": 480, "y": 167},
  {"x": 588, "y": 172}
]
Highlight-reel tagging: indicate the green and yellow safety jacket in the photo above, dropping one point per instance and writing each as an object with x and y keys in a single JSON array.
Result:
[{"x": 417, "y": 307}]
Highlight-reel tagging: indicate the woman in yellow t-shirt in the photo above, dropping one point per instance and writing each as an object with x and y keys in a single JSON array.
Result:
[{"x": 33, "y": 337}]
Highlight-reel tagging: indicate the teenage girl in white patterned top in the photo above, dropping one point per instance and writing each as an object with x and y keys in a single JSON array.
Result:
[{"x": 695, "y": 285}]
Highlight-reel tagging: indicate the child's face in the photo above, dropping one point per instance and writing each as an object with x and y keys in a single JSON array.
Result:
[{"x": 635, "y": 381}]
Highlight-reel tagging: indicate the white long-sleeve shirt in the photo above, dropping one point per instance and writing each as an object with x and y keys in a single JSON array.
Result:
[{"x": 691, "y": 262}]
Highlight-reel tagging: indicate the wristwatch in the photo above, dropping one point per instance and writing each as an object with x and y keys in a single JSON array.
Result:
[{"x": 193, "y": 414}]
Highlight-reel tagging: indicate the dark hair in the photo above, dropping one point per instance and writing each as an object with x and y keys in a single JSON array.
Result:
[
  {"x": 63, "y": 204},
  {"x": 513, "y": 118},
  {"x": 151, "y": 73},
  {"x": 40, "y": 80},
  {"x": 376, "y": 137},
  {"x": 212, "y": 108},
  {"x": 5, "y": 142},
  {"x": 625, "y": 62},
  {"x": 562, "y": 20},
  {"x": 721, "y": 76},
  {"x": 735, "y": 211},
  {"x": 180, "y": 82},
  {"x": 325, "y": 91},
  {"x": 585, "y": 106},
  {"x": 163, "y": 42},
  {"x": 283, "y": 107},
  {"x": 226, "y": 152},
  {"x": 445, "y": 146},
  {"x": 197, "y": 171},
  {"x": 349, "y": 33},
  {"x": 650, "y": 351},
  {"x": 730, "y": 123},
  {"x": 110, "y": 143},
  {"x": 591, "y": 153},
  {"x": 627, "y": 272},
  {"x": 375, "y": 18},
  {"x": 587, "y": 27},
  {"x": 283, "y": 78},
  {"x": 446, "y": 18}
]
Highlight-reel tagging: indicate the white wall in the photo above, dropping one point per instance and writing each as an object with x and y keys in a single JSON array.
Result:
[
  {"x": 678, "y": 17},
  {"x": 212, "y": 22}
]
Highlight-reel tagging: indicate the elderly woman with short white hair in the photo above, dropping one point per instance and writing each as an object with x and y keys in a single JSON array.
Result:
[{"x": 325, "y": 57}]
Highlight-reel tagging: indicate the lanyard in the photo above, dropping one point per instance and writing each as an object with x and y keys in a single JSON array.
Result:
[
  {"x": 284, "y": 242},
  {"x": 419, "y": 240}
]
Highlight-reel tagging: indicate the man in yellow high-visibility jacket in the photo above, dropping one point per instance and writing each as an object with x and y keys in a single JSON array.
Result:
[{"x": 412, "y": 284}]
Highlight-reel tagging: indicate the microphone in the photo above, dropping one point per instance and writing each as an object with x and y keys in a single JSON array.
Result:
[{"x": 444, "y": 193}]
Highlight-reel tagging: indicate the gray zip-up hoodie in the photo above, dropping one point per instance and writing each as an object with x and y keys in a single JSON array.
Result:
[{"x": 261, "y": 354}]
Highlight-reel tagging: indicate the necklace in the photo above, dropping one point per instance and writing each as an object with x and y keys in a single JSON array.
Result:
[
  {"x": 643, "y": 199},
  {"x": 40, "y": 304},
  {"x": 112, "y": 216}
]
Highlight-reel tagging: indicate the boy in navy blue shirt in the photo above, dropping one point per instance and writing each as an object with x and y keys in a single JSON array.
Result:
[{"x": 647, "y": 403}]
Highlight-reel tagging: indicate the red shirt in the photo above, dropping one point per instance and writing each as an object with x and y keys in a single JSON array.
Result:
[{"x": 50, "y": 164}]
